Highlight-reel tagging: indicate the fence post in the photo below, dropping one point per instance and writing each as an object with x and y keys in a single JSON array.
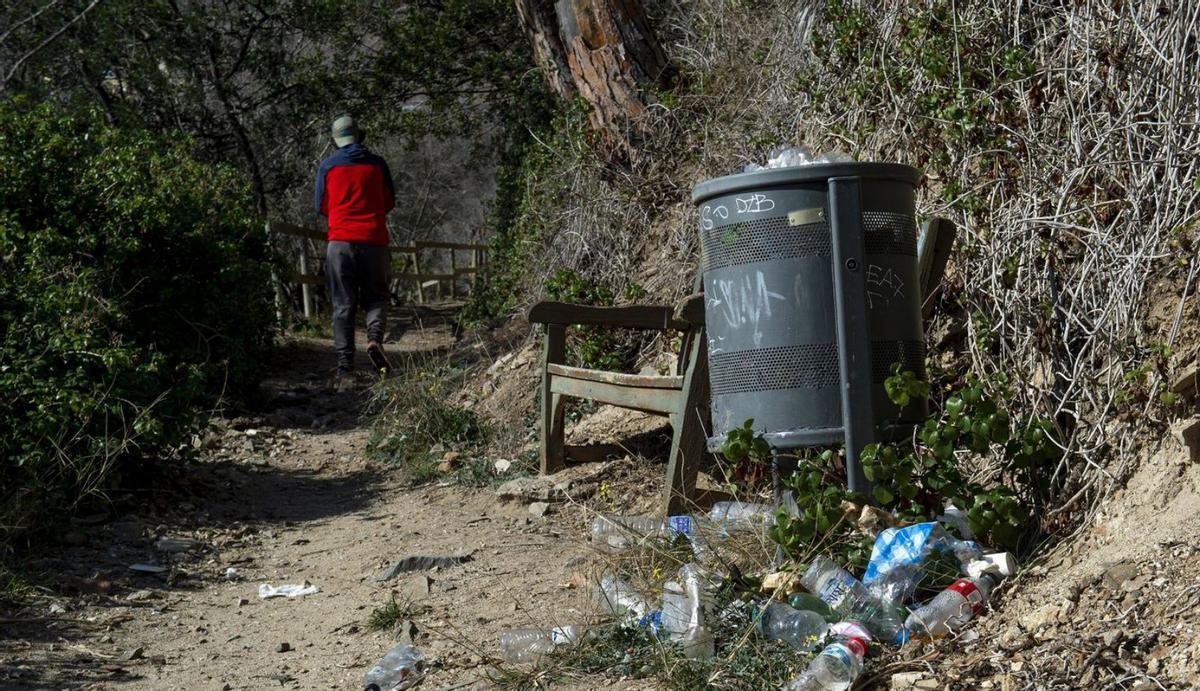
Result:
[
  {"x": 275, "y": 278},
  {"x": 417, "y": 270},
  {"x": 453, "y": 273},
  {"x": 305, "y": 288}
]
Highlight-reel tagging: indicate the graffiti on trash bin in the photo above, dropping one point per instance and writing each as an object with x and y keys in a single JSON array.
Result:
[
  {"x": 744, "y": 301},
  {"x": 709, "y": 212},
  {"x": 883, "y": 284},
  {"x": 754, "y": 204}
]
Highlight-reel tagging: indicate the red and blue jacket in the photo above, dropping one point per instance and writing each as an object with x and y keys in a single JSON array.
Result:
[{"x": 355, "y": 192}]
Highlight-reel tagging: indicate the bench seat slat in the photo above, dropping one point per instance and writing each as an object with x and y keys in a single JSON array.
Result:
[
  {"x": 660, "y": 401},
  {"x": 641, "y": 381}
]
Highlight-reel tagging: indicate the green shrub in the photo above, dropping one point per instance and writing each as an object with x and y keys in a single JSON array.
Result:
[{"x": 134, "y": 286}]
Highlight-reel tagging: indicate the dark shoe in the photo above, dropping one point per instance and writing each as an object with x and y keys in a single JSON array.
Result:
[
  {"x": 377, "y": 357},
  {"x": 343, "y": 380}
]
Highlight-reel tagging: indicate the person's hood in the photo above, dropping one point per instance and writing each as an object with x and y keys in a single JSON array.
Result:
[{"x": 355, "y": 152}]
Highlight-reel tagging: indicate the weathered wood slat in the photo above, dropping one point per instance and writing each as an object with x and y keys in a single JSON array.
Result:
[
  {"x": 933, "y": 251},
  {"x": 647, "y": 317},
  {"x": 661, "y": 401},
  {"x": 439, "y": 245},
  {"x": 647, "y": 381},
  {"x": 299, "y": 231}
]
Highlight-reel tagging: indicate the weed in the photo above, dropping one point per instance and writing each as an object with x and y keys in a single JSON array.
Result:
[
  {"x": 414, "y": 417},
  {"x": 391, "y": 614}
]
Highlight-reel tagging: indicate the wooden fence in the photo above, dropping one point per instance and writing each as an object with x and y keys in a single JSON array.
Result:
[{"x": 475, "y": 260}]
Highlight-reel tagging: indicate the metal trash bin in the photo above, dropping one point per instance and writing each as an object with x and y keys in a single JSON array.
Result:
[{"x": 780, "y": 248}]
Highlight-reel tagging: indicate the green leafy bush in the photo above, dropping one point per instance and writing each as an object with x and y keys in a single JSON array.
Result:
[{"x": 134, "y": 286}]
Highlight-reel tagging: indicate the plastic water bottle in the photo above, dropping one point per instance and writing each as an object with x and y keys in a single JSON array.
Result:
[
  {"x": 616, "y": 597},
  {"x": 401, "y": 668},
  {"x": 619, "y": 532},
  {"x": 834, "y": 669},
  {"x": 801, "y": 629},
  {"x": 850, "y": 599},
  {"x": 738, "y": 514},
  {"x": 697, "y": 639},
  {"x": 950, "y": 609},
  {"x": 527, "y": 645}
]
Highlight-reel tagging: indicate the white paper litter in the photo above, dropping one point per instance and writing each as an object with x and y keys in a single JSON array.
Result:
[{"x": 267, "y": 591}]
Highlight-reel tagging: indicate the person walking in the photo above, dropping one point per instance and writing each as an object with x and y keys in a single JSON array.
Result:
[{"x": 355, "y": 192}]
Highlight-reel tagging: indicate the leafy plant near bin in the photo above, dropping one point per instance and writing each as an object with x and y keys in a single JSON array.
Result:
[
  {"x": 916, "y": 478},
  {"x": 594, "y": 347}
]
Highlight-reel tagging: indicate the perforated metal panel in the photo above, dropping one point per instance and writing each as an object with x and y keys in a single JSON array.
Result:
[
  {"x": 761, "y": 240},
  {"x": 809, "y": 366},
  {"x": 910, "y": 355},
  {"x": 885, "y": 232}
]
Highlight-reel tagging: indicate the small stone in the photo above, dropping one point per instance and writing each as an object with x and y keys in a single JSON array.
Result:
[
  {"x": 1117, "y": 574},
  {"x": 539, "y": 508},
  {"x": 1017, "y": 666},
  {"x": 227, "y": 687},
  {"x": 56, "y": 608},
  {"x": 283, "y": 647},
  {"x": 139, "y": 596},
  {"x": 906, "y": 680},
  {"x": 134, "y": 654},
  {"x": 406, "y": 632},
  {"x": 502, "y": 465},
  {"x": 242, "y": 602},
  {"x": 1113, "y": 637}
]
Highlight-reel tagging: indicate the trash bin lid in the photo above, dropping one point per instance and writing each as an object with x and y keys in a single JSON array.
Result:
[{"x": 781, "y": 177}]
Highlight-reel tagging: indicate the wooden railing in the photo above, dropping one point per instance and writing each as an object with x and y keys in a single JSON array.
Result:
[{"x": 475, "y": 260}]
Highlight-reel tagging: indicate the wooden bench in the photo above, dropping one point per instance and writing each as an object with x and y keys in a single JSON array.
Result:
[{"x": 682, "y": 396}]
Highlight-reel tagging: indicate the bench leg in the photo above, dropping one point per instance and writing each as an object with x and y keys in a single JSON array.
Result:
[
  {"x": 552, "y": 455},
  {"x": 687, "y": 438}
]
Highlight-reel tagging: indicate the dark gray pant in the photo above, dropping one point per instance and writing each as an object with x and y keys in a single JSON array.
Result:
[{"x": 357, "y": 274}]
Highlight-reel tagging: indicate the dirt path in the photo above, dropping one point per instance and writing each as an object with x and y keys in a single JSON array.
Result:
[{"x": 288, "y": 497}]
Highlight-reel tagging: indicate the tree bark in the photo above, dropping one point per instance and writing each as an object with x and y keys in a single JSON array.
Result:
[{"x": 603, "y": 51}]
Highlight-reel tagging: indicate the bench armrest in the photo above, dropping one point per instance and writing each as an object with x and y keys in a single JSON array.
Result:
[
  {"x": 690, "y": 310},
  {"x": 642, "y": 317}
]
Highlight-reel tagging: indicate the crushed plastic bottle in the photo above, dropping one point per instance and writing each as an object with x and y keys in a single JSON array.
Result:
[
  {"x": 833, "y": 669},
  {"x": 801, "y": 629},
  {"x": 616, "y": 597},
  {"x": 952, "y": 608},
  {"x": 401, "y": 668},
  {"x": 739, "y": 514},
  {"x": 697, "y": 639},
  {"x": 899, "y": 554},
  {"x": 527, "y": 645},
  {"x": 620, "y": 532},
  {"x": 851, "y": 600}
]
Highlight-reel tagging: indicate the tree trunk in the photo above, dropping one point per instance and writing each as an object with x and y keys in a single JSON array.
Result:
[{"x": 603, "y": 51}]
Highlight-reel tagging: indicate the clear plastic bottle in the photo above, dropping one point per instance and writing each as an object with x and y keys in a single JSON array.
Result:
[
  {"x": 697, "y": 640},
  {"x": 527, "y": 645},
  {"x": 850, "y": 599},
  {"x": 834, "y": 669},
  {"x": 950, "y": 609},
  {"x": 616, "y": 597},
  {"x": 619, "y": 532},
  {"x": 730, "y": 514},
  {"x": 401, "y": 668},
  {"x": 801, "y": 629}
]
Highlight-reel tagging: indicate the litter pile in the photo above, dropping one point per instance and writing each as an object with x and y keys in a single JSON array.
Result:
[
  {"x": 818, "y": 607},
  {"x": 794, "y": 156}
]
